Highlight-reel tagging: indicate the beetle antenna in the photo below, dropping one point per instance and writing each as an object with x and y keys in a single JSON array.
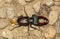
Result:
[{"x": 15, "y": 27}]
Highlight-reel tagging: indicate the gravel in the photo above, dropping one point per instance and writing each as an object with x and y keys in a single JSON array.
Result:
[{"x": 10, "y": 9}]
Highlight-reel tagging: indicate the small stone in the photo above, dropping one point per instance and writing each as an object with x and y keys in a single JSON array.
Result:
[
  {"x": 59, "y": 17},
  {"x": 50, "y": 32},
  {"x": 22, "y": 2},
  {"x": 22, "y": 13},
  {"x": 7, "y": 34},
  {"x": 3, "y": 23},
  {"x": 29, "y": 10},
  {"x": 58, "y": 26},
  {"x": 33, "y": 32},
  {"x": 8, "y": 1},
  {"x": 36, "y": 37},
  {"x": 10, "y": 12},
  {"x": 2, "y": 12},
  {"x": 20, "y": 32},
  {"x": 55, "y": 8},
  {"x": 53, "y": 17},
  {"x": 57, "y": 36},
  {"x": 44, "y": 10},
  {"x": 56, "y": 0},
  {"x": 57, "y": 3},
  {"x": 27, "y": 0},
  {"x": 19, "y": 10},
  {"x": 49, "y": 2},
  {"x": 36, "y": 6},
  {"x": 2, "y": 37}
]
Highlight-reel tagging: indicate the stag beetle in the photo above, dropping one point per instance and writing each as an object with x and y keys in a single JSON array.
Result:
[{"x": 34, "y": 20}]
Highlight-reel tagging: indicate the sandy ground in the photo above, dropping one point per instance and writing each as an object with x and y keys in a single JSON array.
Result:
[{"x": 10, "y": 10}]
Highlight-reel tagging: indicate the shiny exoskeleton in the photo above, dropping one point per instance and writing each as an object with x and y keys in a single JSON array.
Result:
[
  {"x": 34, "y": 20},
  {"x": 29, "y": 21}
]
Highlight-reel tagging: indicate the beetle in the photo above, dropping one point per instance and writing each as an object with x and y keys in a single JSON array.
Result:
[
  {"x": 28, "y": 21},
  {"x": 34, "y": 20}
]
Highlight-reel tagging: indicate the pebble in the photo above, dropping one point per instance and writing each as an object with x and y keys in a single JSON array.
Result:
[
  {"x": 7, "y": 34},
  {"x": 36, "y": 6},
  {"x": 34, "y": 34},
  {"x": 2, "y": 37},
  {"x": 29, "y": 10},
  {"x": 8, "y": 1},
  {"x": 22, "y": 13},
  {"x": 2, "y": 12},
  {"x": 22, "y": 2},
  {"x": 56, "y": 0},
  {"x": 3, "y": 23},
  {"x": 59, "y": 17},
  {"x": 28, "y": 0},
  {"x": 50, "y": 32},
  {"x": 20, "y": 32},
  {"x": 44, "y": 10},
  {"x": 10, "y": 12},
  {"x": 53, "y": 17},
  {"x": 58, "y": 26},
  {"x": 57, "y": 3},
  {"x": 55, "y": 8},
  {"x": 19, "y": 10},
  {"x": 35, "y": 37},
  {"x": 49, "y": 2},
  {"x": 57, "y": 36}
]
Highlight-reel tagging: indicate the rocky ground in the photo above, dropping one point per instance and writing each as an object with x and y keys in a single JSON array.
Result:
[{"x": 12, "y": 9}]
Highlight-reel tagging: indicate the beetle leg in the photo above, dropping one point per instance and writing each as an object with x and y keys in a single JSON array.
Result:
[
  {"x": 25, "y": 12},
  {"x": 40, "y": 29},
  {"x": 34, "y": 28},
  {"x": 29, "y": 30},
  {"x": 15, "y": 27}
]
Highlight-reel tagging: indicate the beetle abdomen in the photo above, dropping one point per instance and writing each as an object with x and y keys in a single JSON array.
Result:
[{"x": 23, "y": 21}]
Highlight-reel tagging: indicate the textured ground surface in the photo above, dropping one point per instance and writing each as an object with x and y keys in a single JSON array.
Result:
[{"x": 10, "y": 9}]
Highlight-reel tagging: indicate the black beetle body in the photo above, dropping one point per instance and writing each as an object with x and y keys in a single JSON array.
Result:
[
  {"x": 25, "y": 21},
  {"x": 34, "y": 20}
]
